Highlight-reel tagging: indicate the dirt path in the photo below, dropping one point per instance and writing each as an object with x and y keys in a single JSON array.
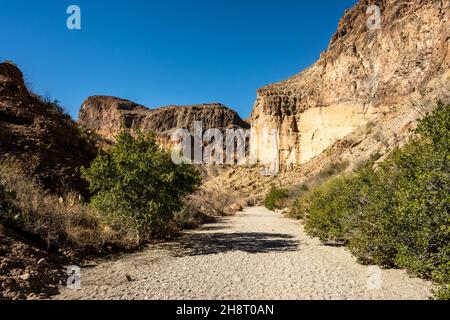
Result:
[{"x": 256, "y": 254}]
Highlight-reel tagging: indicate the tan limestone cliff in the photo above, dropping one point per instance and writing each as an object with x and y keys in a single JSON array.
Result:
[{"x": 363, "y": 73}]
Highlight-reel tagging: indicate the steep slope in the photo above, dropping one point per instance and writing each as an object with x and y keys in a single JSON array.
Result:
[
  {"x": 363, "y": 74},
  {"x": 107, "y": 116},
  {"x": 46, "y": 142}
]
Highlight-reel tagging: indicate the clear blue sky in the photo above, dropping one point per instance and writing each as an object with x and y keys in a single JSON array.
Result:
[{"x": 162, "y": 52}]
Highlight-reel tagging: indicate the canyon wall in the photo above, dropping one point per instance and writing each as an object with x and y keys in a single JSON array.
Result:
[
  {"x": 364, "y": 72},
  {"x": 107, "y": 116}
]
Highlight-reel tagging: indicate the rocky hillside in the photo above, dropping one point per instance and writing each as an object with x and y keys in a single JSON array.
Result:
[
  {"x": 363, "y": 74},
  {"x": 39, "y": 137},
  {"x": 107, "y": 116},
  {"x": 361, "y": 98}
]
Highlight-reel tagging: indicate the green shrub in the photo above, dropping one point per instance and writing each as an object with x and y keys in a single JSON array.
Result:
[
  {"x": 397, "y": 215},
  {"x": 297, "y": 208},
  {"x": 276, "y": 198},
  {"x": 327, "y": 207},
  {"x": 137, "y": 184}
]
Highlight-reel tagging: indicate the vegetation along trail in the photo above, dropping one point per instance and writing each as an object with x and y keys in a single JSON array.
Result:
[{"x": 255, "y": 254}]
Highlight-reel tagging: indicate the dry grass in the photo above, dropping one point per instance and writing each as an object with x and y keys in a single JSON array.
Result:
[
  {"x": 58, "y": 223},
  {"x": 334, "y": 168}
]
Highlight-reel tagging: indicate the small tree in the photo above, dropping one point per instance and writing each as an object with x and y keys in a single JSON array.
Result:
[{"x": 137, "y": 183}]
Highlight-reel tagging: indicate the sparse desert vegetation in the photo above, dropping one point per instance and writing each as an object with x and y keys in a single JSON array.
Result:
[
  {"x": 40, "y": 232},
  {"x": 395, "y": 214},
  {"x": 126, "y": 211},
  {"x": 353, "y": 149},
  {"x": 57, "y": 223}
]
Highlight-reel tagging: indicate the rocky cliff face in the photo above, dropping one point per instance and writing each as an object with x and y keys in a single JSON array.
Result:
[
  {"x": 107, "y": 116},
  {"x": 364, "y": 72},
  {"x": 38, "y": 136}
]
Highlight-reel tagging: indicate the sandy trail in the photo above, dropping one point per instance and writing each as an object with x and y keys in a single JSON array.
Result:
[{"x": 256, "y": 254}]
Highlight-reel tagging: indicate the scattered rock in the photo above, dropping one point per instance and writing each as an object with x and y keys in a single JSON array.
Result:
[
  {"x": 25, "y": 277},
  {"x": 19, "y": 279},
  {"x": 42, "y": 262}
]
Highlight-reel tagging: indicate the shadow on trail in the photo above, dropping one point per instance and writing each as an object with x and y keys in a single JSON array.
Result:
[{"x": 219, "y": 242}]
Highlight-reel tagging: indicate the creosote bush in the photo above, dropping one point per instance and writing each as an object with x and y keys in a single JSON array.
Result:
[
  {"x": 397, "y": 215},
  {"x": 276, "y": 198},
  {"x": 136, "y": 184}
]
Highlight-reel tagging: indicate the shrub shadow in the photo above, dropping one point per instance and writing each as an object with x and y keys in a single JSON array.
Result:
[{"x": 219, "y": 242}]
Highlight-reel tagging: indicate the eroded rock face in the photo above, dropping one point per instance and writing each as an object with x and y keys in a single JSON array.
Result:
[
  {"x": 107, "y": 116},
  {"x": 363, "y": 73}
]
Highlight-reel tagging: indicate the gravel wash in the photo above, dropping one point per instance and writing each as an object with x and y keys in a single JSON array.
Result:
[{"x": 255, "y": 254}]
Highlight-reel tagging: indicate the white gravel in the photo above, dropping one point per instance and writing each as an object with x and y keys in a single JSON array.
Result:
[{"x": 256, "y": 254}]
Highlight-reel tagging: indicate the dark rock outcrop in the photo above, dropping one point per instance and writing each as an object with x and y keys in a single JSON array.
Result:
[{"x": 40, "y": 137}]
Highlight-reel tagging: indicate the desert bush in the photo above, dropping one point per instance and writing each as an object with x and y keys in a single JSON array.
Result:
[
  {"x": 276, "y": 198},
  {"x": 297, "y": 208},
  {"x": 396, "y": 215},
  {"x": 136, "y": 184},
  {"x": 213, "y": 202},
  {"x": 55, "y": 105},
  {"x": 193, "y": 214},
  {"x": 325, "y": 212},
  {"x": 186, "y": 218},
  {"x": 250, "y": 201}
]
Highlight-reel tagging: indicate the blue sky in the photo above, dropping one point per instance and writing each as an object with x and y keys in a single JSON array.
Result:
[{"x": 162, "y": 52}]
